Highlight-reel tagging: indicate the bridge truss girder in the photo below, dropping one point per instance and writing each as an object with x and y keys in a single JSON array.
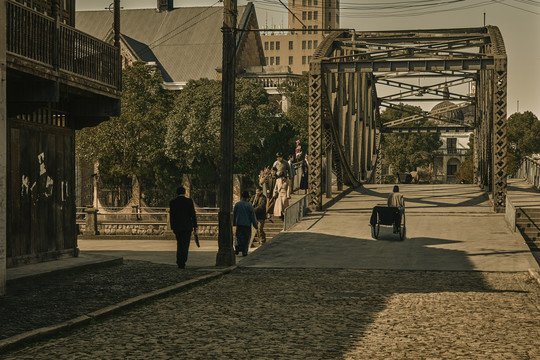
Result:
[{"x": 344, "y": 107}]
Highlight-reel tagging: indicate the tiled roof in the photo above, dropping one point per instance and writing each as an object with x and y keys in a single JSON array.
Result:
[{"x": 185, "y": 42}]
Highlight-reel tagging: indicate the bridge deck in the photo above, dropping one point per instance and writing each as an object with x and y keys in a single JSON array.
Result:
[{"x": 449, "y": 227}]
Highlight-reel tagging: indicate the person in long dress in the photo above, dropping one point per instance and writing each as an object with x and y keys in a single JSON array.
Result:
[
  {"x": 305, "y": 174},
  {"x": 283, "y": 192}
]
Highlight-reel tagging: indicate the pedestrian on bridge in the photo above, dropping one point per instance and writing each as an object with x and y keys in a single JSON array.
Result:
[
  {"x": 282, "y": 193},
  {"x": 183, "y": 221},
  {"x": 305, "y": 174},
  {"x": 243, "y": 218},
  {"x": 259, "y": 206},
  {"x": 293, "y": 171},
  {"x": 282, "y": 166},
  {"x": 396, "y": 199}
]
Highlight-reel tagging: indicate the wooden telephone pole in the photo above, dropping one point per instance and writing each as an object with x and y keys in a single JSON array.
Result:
[
  {"x": 3, "y": 147},
  {"x": 225, "y": 255}
]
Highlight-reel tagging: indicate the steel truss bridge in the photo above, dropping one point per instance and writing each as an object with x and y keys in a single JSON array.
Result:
[{"x": 349, "y": 68}]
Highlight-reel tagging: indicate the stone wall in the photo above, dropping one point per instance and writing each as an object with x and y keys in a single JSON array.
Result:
[{"x": 207, "y": 230}]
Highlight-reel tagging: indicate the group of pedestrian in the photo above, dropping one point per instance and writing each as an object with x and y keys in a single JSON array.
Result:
[{"x": 271, "y": 198}]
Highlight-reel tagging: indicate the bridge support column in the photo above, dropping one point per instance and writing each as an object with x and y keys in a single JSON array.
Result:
[
  {"x": 315, "y": 135},
  {"x": 499, "y": 141},
  {"x": 328, "y": 175}
]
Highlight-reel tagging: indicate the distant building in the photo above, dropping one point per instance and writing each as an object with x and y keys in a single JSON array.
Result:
[
  {"x": 184, "y": 43},
  {"x": 454, "y": 144},
  {"x": 295, "y": 48}
]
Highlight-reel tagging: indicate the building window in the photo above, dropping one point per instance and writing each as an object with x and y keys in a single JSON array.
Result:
[
  {"x": 293, "y": 3},
  {"x": 290, "y": 60},
  {"x": 290, "y": 45},
  {"x": 329, "y": 17},
  {"x": 303, "y": 44},
  {"x": 315, "y": 15},
  {"x": 303, "y": 15},
  {"x": 309, "y": 15},
  {"x": 451, "y": 169},
  {"x": 271, "y": 45},
  {"x": 309, "y": 2},
  {"x": 309, "y": 59},
  {"x": 303, "y": 2},
  {"x": 266, "y": 45},
  {"x": 337, "y": 17},
  {"x": 315, "y": 2},
  {"x": 309, "y": 44},
  {"x": 451, "y": 145},
  {"x": 315, "y": 43},
  {"x": 303, "y": 60},
  {"x": 277, "y": 45},
  {"x": 278, "y": 60},
  {"x": 329, "y": 3},
  {"x": 266, "y": 61},
  {"x": 272, "y": 60}
]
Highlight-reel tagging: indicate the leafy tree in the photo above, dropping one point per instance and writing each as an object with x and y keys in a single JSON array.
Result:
[
  {"x": 129, "y": 146},
  {"x": 298, "y": 106},
  {"x": 465, "y": 173},
  {"x": 193, "y": 128},
  {"x": 406, "y": 152},
  {"x": 523, "y": 134}
]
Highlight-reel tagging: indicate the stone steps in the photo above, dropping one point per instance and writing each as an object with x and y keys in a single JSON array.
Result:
[{"x": 528, "y": 224}]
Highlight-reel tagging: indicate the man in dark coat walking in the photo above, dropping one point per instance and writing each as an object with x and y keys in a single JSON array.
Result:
[{"x": 183, "y": 222}]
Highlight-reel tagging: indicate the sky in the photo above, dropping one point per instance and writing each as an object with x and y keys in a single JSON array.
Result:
[{"x": 518, "y": 20}]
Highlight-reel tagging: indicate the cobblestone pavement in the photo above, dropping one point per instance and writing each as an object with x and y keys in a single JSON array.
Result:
[{"x": 321, "y": 314}]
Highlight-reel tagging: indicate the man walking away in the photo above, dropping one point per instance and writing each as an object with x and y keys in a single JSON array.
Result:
[
  {"x": 396, "y": 199},
  {"x": 259, "y": 206},
  {"x": 243, "y": 217},
  {"x": 183, "y": 222}
]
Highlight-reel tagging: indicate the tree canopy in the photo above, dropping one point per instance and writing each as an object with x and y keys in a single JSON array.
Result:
[
  {"x": 406, "y": 152},
  {"x": 129, "y": 145},
  {"x": 523, "y": 134},
  {"x": 298, "y": 106},
  {"x": 193, "y": 127}
]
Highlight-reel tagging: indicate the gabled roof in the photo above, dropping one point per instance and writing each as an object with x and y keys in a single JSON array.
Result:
[{"x": 186, "y": 42}]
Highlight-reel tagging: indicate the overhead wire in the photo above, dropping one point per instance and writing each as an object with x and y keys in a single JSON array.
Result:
[
  {"x": 397, "y": 8},
  {"x": 169, "y": 35}
]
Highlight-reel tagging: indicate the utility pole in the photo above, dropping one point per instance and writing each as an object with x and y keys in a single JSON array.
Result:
[
  {"x": 116, "y": 24},
  {"x": 225, "y": 255},
  {"x": 3, "y": 146}
]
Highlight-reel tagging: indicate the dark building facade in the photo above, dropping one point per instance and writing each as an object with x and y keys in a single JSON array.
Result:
[{"x": 59, "y": 79}]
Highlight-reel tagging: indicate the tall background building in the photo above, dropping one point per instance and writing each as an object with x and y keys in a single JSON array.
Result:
[{"x": 295, "y": 48}]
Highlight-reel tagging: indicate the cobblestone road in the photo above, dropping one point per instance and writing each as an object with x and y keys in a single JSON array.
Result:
[{"x": 321, "y": 314}]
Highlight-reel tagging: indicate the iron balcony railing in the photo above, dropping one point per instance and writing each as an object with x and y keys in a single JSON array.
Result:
[
  {"x": 41, "y": 38},
  {"x": 452, "y": 151}
]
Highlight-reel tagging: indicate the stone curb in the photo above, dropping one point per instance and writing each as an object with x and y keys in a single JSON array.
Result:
[
  {"x": 534, "y": 273},
  {"x": 37, "y": 334}
]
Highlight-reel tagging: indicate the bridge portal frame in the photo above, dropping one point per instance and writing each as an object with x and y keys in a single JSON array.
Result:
[{"x": 344, "y": 107}]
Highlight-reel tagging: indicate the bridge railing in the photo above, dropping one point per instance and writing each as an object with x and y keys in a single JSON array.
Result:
[
  {"x": 529, "y": 170},
  {"x": 295, "y": 212}
]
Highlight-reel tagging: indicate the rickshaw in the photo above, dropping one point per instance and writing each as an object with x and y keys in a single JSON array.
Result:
[{"x": 387, "y": 216}]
